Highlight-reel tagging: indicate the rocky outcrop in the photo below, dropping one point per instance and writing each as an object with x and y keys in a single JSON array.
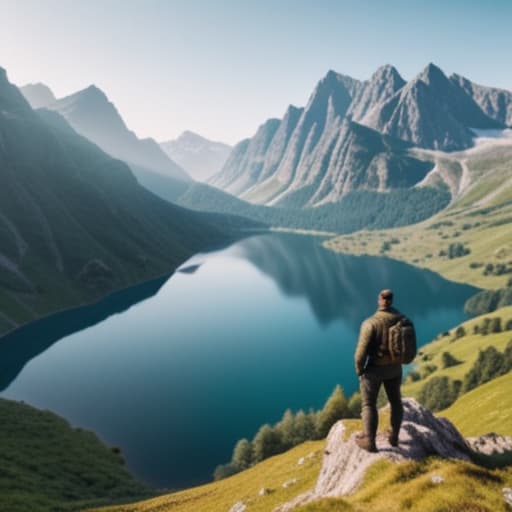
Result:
[
  {"x": 496, "y": 103},
  {"x": 422, "y": 435}
]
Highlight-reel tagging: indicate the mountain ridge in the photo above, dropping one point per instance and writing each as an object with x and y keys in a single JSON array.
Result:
[{"x": 430, "y": 111}]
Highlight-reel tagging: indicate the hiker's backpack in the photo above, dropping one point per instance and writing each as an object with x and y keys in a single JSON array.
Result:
[{"x": 401, "y": 341}]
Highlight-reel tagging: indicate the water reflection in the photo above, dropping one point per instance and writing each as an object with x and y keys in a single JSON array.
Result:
[
  {"x": 339, "y": 286},
  {"x": 243, "y": 333}
]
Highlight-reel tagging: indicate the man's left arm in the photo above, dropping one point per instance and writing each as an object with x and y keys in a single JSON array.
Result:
[{"x": 363, "y": 344}]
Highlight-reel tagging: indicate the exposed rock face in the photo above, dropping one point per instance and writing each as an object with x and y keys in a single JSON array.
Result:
[
  {"x": 431, "y": 112},
  {"x": 490, "y": 444},
  {"x": 383, "y": 84},
  {"x": 422, "y": 435},
  {"x": 317, "y": 155},
  {"x": 496, "y": 103}
]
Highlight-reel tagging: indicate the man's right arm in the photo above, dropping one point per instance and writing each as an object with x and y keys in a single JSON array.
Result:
[{"x": 363, "y": 344}]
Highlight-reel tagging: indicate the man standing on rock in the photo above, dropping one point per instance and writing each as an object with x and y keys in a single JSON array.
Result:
[{"x": 375, "y": 366}]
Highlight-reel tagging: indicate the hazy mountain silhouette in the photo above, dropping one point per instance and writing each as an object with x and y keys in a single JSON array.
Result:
[
  {"x": 74, "y": 222},
  {"x": 200, "y": 157}
]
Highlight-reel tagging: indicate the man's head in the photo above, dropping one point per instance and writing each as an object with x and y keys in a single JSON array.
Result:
[{"x": 385, "y": 298}]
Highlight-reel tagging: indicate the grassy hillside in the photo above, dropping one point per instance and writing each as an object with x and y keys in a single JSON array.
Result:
[
  {"x": 479, "y": 218},
  {"x": 392, "y": 487},
  {"x": 465, "y": 487},
  {"x": 46, "y": 465},
  {"x": 464, "y": 349},
  {"x": 488, "y": 408},
  {"x": 74, "y": 223},
  {"x": 484, "y": 231},
  {"x": 387, "y": 487},
  {"x": 222, "y": 495}
]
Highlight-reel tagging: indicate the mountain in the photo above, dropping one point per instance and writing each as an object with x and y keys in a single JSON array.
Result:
[
  {"x": 496, "y": 103},
  {"x": 92, "y": 115},
  {"x": 261, "y": 168},
  {"x": 38, "y": 95},
  {"x": 359, "y": 135},
  {"x": 74, "y": 223},
  {"x": 200, "y": 157},
  {"x": 431, "y": 112},
  {"x": 383, "y": 84}
]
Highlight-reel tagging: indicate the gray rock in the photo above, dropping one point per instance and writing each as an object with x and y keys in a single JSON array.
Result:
[
  {"x": 496, "y": 103},
  {"x": 290, "y": 482},
  {"x": 264, "y": 491},
  {"x": 239, "y": 506},
  {"x": 507, "y": 495},
  {"x": 490, "y": 444},
  {"x": 437, "y": 479},
  {"x": 344, "y": 464}
]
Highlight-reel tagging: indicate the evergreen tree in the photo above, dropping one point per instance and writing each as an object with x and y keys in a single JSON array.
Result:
[
  {"x": 448, "y": 360},
  {"x": 266, "y": 442},
  {"x": 286, "y": 427},
  {"x": 438, "y": 393},
  {"x": 354, "y": 405},
  {"x": 224, "y": 470},
  {"x": 490, "y": 364},
  {"x": 460, "y": 332},
  {"x": 242, "y": 455},
  {"x": 304, "y": 427},
  {"x": 334, "y": 409},
  {"x": 495, "y": 324}
]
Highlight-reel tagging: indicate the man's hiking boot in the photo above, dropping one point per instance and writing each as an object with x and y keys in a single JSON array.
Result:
[
  {"x": 393, "y": 438},
  {"x": 366, "y": 443}
]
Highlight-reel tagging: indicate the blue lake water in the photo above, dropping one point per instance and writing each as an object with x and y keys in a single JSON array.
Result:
[{"x": 184, "y": 367}]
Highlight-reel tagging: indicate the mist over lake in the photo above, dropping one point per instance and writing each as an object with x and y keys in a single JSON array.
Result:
[{"x": 227, "y": 343}]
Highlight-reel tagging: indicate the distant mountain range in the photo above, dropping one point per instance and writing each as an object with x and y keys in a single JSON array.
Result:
[
  {"x": 354, "y": 136},
  {"x": 74, "y": 222},
  {"x": 200, "y": 157},
  {"x": 92, "y": 115}
]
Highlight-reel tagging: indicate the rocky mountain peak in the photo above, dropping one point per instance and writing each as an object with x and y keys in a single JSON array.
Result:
[
  {"x": 422, "y": 435},
  {"x": 432, "y": 75},
  {"x": 388, "y": 73}
]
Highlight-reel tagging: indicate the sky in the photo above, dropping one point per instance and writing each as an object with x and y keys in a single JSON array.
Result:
[{"x": 222, "y": 67}]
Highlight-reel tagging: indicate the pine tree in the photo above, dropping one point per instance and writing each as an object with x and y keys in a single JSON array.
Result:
[
  {"x": 304, "y": 427},
  {"x": 286, "y": 427},
  {"x": 242, "y": 455},
  {"x": 266, "y": 442},
  {"x": 334, "y": 409}
]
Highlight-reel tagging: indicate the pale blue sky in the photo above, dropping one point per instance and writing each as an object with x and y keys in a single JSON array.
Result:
[{"x": 221, "y": 68}]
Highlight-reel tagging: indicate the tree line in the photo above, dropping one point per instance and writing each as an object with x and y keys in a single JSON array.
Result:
[{"x": 291, "y": 430}]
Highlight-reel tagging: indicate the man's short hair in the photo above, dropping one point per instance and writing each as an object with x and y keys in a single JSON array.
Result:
[{"x": 386, "y": 294}]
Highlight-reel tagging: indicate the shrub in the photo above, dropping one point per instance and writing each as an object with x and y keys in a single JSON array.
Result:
[
  {"x": 460, "y": 332},
  {"x": 428, "y": 370},
  {"x": 490, "y": 364},
  {"x": 413, "y": 376},
  {"x": 439, "y": 393},
  {"x": 334, "y": 409},
  {"x": 448, "y": 360}
]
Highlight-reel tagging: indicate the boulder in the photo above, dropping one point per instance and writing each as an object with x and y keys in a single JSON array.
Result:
[{"x": 421, "y": 435}]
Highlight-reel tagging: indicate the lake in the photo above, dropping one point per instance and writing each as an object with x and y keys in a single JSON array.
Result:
[{"x": 177, "y": 370}]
